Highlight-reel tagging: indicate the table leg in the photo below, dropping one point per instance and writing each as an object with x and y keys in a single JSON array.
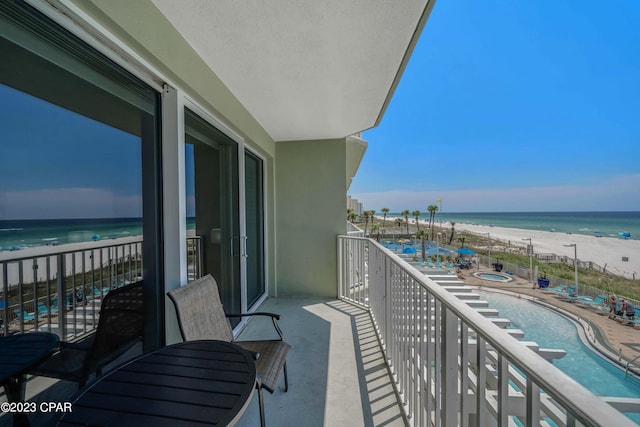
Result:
[{"x": 15, "y": 389}]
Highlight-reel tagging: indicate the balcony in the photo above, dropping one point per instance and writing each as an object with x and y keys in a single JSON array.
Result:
[
  {"x": 337, "y": 373},
  {"x": 399, "y": 349}
]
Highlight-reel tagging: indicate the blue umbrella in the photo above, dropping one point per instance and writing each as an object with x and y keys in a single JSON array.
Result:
[
  {"x": 465, "y": 251},
  {"x": 408, "y": 250}
]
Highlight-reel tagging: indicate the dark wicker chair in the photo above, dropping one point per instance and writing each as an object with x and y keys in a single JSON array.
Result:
[
  {"x": 201, "y": 316},
  {"x": 120, "y": 327}
]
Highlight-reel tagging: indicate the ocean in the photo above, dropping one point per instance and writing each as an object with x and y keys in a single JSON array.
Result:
[
  {"x": 19, "y": 234},
  {"x": 609, "y": 223}
]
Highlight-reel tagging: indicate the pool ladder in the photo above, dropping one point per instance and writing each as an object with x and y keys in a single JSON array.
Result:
[{"x": 626, "y": 371}]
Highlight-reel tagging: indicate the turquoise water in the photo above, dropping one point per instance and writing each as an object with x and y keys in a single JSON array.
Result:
[
  {"x": 609, "y": 223},
  {"x": 16, "y": 234},
  {"x": 494, "y": 277},
  {"x": 551, "y": 330}
]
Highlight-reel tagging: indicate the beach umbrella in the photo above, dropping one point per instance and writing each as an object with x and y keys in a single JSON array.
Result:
[{"x": 465, "y": 251}]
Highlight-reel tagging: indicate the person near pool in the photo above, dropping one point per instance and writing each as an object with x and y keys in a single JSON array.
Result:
[
  {"x": 629, "y": 310},
  {"x": 622, "y": 309},
  {"x": 613, "y": 304}
]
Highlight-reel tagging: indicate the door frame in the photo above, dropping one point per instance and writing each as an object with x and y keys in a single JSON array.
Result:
[{"x": 196, "y": 108}]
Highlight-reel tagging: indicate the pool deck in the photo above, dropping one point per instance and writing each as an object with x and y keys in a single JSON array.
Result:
[{"x": 617, "y": 340}]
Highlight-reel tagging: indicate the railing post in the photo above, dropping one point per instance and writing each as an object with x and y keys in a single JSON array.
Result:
[
  {"x": 449, "y": 367},
  {"x": 36, "y": 312},
  {"x": 341, "y": 268},
  {"x": 62, "y": 297},
  {"x": 5, "y": 297},
  {"x": 533, "y": 403}
]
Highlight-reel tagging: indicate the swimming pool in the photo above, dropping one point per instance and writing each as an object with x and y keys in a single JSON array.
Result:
[
  {"x": 493, "y": 277},
  {"x": 552, "y": 330}
]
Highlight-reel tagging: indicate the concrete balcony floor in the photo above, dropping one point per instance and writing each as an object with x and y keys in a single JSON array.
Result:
[{"x": 337, "y": 373}]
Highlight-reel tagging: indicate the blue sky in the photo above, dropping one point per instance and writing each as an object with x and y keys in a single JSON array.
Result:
[
  {"x": 58, "y": 164},
  {"x": 513, "y": 106}
]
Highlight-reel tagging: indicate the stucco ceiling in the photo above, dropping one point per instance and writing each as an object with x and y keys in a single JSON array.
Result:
[{"x": 305, "y": 69}]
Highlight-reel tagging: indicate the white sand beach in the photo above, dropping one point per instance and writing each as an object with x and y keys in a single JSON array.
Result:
[{"x": 603, "y": 251}]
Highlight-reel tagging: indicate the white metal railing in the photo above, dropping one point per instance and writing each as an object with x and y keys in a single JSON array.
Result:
[
  {"x": 354, "y": 230},
  {"x": 452, "y": 365},
  {"x": 68, "y": 286}
]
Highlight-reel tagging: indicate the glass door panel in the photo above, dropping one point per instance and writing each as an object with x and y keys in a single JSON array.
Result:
[
  {"x": 254, "y": 205},
  {"x": 212, "y": 194}
]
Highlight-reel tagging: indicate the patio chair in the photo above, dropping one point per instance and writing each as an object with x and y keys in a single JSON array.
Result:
[
  {"x": 201, "y": 316},
  {"x": 120, "y": 327}
]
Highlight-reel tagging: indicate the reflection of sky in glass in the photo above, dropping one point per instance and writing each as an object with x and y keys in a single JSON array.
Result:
[
  {"x": 550, "y": 330},
  {"x": 74, "y": 166}
]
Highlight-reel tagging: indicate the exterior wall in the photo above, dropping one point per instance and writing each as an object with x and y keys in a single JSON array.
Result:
[
  {"x": 310, "y": 206},
  {"x": 142, "y": 27},
  {"x": 305, "y": 180}
]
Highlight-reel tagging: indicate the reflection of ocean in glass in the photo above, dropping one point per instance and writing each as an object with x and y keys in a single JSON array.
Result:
[{"x": 16, "y": 234}]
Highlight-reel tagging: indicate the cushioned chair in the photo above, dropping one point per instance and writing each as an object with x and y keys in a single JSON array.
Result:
[
  {"x": 201, "y": 316},
  {"x": 121, "y": 326}
]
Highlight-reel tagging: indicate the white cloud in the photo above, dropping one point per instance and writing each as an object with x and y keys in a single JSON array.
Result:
[
  {"x": 613, "y": 194},
  {"x": 68, "y": 203}
]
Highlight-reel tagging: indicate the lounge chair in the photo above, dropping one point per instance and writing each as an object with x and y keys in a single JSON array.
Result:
[
  {"x": 558, "y": 288},
  {"x": 24, "y": 316},
  {"x": 43, "y": 310},
  {"x": 596, "y": 302},
  {"x": 201, "y": 316},
  {"x": 571, "y": 290},
  {"x": 120, "y": 327}
]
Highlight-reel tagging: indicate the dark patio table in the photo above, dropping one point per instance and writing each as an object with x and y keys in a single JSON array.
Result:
[
  {"x": 18, "y": 354},
  {"x": 185, "y": 384}
]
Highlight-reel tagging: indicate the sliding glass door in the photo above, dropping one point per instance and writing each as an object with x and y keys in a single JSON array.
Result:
[
  {"x": 254, "y": 208},
  {"x": 213, "y": 208}
]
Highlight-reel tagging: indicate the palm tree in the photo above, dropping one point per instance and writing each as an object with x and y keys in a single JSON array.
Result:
[
  {"x": 399, "y": 223},
  {"x": 417, "y": 214},
  {"x": 423, "y": 235},
  {"x": 349, "y": 212},
  {"x": 352, "y": 216},
  {"x": 432, "y": 215},
  {"x": 372, "y": 214},
  {"x": 385, "y": 211},
  {"x": 405, "y": 214},
  {"x": 365, "y": 214},
  {"x": 375, "y": 229},
  {"x": 461, "y": 240},
  {"x": 452, "y": 231}
]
